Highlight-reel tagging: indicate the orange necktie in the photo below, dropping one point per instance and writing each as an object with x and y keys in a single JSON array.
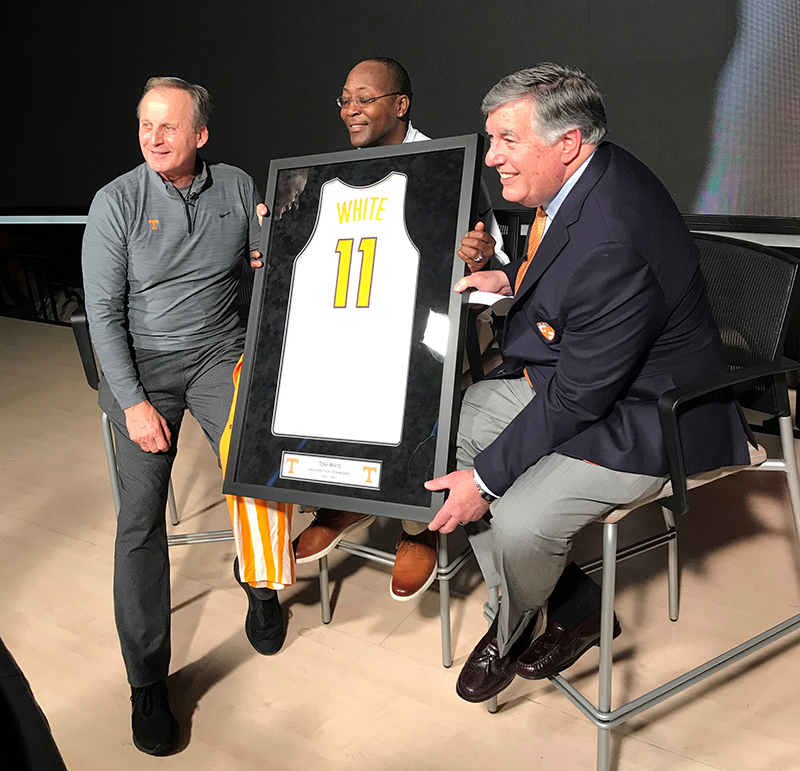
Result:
[{"x": 535, "y": 238}]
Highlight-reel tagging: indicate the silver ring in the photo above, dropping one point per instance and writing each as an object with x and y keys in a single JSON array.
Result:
[{"x": 479, "y": 258}]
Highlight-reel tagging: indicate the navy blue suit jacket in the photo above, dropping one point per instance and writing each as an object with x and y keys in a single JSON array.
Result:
[{"x": 611, "y": 314}]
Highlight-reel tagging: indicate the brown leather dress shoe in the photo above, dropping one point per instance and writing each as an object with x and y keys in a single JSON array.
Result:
[
  {"x": 414, "y": 566},
  {"x": 327, "y": 529},
  {"x": 558, "y": 649},
  {"x": 485, "y": 672}
]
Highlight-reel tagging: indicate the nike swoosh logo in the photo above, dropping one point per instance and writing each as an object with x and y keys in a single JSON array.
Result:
[{"x": 223, "y": 214}]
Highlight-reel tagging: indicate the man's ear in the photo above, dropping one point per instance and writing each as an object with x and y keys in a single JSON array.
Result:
[
  {"x": 571, "y": 143},
  {"x": 202, "y": 137},
  {"x": 402, "y": 106}
]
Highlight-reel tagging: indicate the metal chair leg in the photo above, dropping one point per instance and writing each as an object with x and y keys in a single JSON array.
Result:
[
  {"x": 444, "y": 602},
  {"x": 324, "y": 590},
  {"x": 173, "y": 509},
  {"x": 790, "y": 462},
  {"x": 494, "y": 605},
  {"x": 673, "y": 569},
  {"x": 111, "y": 461},
  {"x": 606, "y": 641}
]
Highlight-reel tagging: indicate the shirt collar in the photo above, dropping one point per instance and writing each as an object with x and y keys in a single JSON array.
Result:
[
  {"x": 412, "y": 135},
  {"x": 200, "y": 179},
  {"x": 198, "y": 183},
  {"x": 552, "y": 208}
]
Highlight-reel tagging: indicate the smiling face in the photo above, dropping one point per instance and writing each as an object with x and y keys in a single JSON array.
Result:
[
  {"x": 167, "y": 135},
  {"x": 378, "y": 124},
  {"x": 531, "y": 172}
]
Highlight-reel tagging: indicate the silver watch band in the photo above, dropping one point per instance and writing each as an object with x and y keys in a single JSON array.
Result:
[{"x": 482, "y": 491}]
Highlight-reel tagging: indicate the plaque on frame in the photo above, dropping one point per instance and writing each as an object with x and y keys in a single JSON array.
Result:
[{"x": 349, "y": 388}]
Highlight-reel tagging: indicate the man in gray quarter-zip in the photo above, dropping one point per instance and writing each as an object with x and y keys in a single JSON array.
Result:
[{"x": 163, "y": 252}]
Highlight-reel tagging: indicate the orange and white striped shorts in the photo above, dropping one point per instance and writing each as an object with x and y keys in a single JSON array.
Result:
[{"x": 261, "y": 529}]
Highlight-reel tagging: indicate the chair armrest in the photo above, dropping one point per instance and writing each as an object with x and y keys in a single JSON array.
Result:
[
  {"x": 670, "y": 402},
  {"x": 80, "y": 328},
  {"x": 472, "y": 343}
]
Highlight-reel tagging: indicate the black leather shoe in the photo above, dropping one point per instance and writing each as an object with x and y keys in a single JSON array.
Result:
[
  {"x": 558, "y": 649},
  {"x": 155, "y": 730},
  {"x": 264, "y": 625},
  {"x": 485, "y": 672}
]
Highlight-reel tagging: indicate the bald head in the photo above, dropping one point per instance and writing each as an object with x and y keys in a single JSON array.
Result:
[
  {"x": 374, "y": 73},
  {"x": 397, "y": 77}
]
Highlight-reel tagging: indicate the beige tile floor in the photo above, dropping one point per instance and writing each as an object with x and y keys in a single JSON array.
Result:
[{"x": 368, "y": 691}]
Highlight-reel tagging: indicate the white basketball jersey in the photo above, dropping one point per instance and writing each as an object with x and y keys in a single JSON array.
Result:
[{"x": 347, "y": 343}]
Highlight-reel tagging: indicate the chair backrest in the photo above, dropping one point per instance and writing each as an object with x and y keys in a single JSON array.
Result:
[
  {"x": 514, "y": 225},
  {"x": 31, "y": 279},
  {"x": 80, "y": 329},
  {"x": 752, "y": 290}
]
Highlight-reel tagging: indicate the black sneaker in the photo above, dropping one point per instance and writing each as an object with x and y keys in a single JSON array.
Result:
[
  {"x": 155, "y": 730},
  {"x": 264, "y": 624}
]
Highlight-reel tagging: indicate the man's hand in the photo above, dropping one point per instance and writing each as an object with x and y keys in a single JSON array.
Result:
[
  {"x": 477, "y": 248},
  {"x": 147, "y": 427},
  {"x": 255, "y": 256},
  {"x": 486, "y": 281},
  {"x": 464, "y": 504}
]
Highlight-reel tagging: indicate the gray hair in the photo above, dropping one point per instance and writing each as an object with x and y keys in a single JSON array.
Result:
[
  {"x": 201, "y": 99},
  {"x": 565, "y": 98}
]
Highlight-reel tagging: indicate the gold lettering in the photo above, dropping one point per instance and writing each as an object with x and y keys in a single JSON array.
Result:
[
  {"x": 344, "y": 211},
  {"x": 344, "y": 248},
  {"x": 367, "y": 249},
  {"x": 360, "y": 209}
]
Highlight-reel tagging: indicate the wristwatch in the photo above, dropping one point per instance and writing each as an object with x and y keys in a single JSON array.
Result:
[{"x": 482, "y": 491}]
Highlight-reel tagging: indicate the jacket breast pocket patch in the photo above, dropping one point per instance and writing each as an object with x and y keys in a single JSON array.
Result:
[{"x": 547, "y": 331}]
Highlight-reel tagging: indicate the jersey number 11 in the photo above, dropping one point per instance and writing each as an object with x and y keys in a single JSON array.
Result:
[{"x": 344, "y": 248}]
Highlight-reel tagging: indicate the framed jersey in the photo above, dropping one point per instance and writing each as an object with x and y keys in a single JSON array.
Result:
[{"x": 349, "y": 388}]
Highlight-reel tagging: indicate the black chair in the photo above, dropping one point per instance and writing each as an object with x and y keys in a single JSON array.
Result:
[
  {"x": 514, "y": 225},
  {"x": 752, "y": 291},
  {"x": 34, "y": 284}
]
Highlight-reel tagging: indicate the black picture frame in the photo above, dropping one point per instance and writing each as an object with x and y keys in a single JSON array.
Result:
[{"x": 441, "y": 180}]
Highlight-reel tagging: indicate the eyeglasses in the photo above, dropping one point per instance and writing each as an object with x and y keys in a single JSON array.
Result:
[{"x": 360, "y": 101}]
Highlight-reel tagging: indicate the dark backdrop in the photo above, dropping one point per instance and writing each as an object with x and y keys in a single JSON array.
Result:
[{"x": 71, "y": 74}]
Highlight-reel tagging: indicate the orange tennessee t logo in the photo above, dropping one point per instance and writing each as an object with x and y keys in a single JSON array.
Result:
[
  {"x": 546, "y": 330},
  {"x": 291, "y": 462},
  {"x": 370, "y": 471},
  {"x": 153, "y": 224}
]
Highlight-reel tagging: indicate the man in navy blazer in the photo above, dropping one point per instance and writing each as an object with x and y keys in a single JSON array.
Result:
[{"x": 609, "y": 312}]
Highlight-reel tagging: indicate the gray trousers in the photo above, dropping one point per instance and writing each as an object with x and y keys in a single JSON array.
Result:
[
  {"x": 199, "y": 380},
  {"x": 523, "y": 543}
]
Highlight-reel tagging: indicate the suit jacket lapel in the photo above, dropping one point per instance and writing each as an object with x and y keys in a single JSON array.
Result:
[{"x": 557, "y": 236}]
